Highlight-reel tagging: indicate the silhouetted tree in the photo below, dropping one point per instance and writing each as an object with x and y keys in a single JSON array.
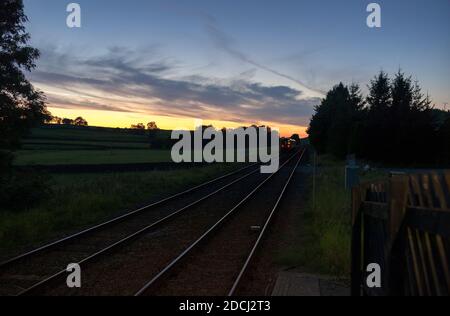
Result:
[
  {"x": 54, "y": 120},
  {"x": 139, "y": 126},
  {"x": 443, "y": 143},
  {"x": 152, "y": 126},
  {"x": 410, "y": 121},
  {"x": 420, "y": 102},
  {"x": 322, "y": 121},
  {"x": 21, "y": 106},
  {"x": 379, "y": 98},
  {"x": 138, "y": 129},
  {"x": 296, "y": 137},
  {"x": 357, "y": 118},
  {"x": 337, "y": 120},
  {"x": 67, "y": 121},
  {"x": 376, "y": 127},
  {"x": 79, "y": 121},
  {"x": 339, "y": 129},
  {"x": 395, "y": 123},
  {"x": 421, "y": 125}
]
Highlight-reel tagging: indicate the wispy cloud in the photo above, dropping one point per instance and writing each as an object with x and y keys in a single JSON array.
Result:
[
  {"x": 226, "y": 43},
  {"x": 84, "y": 104},
  {"x": 127, "y": 81}
]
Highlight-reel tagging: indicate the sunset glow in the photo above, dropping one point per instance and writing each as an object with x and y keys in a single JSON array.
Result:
[
  {"x": 173, "y": 62},
  {"x": 118, "y": 119}
]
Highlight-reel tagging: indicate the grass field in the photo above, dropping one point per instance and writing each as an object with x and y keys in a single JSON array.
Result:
[
  {"x": 65, "y": 132},
  {"x": 64, "y": 157},
  {"x": 81, "y": 200},
  {"x": 66, "y": 145},
  {"x": 39, "y": 144},
  {"x": 75, "y": 133}
]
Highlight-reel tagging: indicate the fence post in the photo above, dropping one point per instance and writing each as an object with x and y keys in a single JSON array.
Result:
[
  {"x": 356, "y": 274},
  {"x": 397, "y": 200}
]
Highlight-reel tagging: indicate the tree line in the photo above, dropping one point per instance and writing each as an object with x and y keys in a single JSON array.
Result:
[
  {"x": 79, "y": 121},
  {"x": 395, "y": 123},
  {"x": 151, "y": 126}
]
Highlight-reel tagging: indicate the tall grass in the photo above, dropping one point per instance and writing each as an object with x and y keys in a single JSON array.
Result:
[
  {"x": 323, "y": 239},
  {"x": 78, "y": 201},
  {"x": 324, "y": 230},
  {"x": 330, "y": 220}
]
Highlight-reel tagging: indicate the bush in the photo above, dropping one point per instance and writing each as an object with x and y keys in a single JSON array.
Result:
[
  {"x": 6, "y": 158},
  {"x": 22, "y": 191}
]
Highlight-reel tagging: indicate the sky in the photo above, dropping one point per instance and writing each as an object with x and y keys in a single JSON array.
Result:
[{"x": 228, "y": 62}]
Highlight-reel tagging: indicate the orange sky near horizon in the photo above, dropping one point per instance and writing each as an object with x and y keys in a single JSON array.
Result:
[{"x": 124, "y": 120}]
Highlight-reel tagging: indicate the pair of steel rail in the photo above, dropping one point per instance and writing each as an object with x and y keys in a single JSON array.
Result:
[
  {"x": 35, "y": 288},
  {"x": 220, "y": 222}
]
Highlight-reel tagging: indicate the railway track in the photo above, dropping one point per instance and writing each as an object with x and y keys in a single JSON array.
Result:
[
  {"x": 117, "y": 219},
  {"x": 127, "y": 251},
  {"x": 216, "y": 262},
  {"x": 27, "y": 271}
]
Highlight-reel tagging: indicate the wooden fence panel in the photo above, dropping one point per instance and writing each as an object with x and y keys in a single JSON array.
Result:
[
  {"x": 439, "y": 190},
  {"x": 405, "y": 224}
]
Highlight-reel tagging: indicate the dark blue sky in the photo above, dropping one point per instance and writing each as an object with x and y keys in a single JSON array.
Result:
[{"x": 304, "y": 46}]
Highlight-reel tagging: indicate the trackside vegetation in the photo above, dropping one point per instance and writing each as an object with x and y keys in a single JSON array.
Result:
[
  {"x": 323, "y": 240},
  {"x": 77, "y": 201}
]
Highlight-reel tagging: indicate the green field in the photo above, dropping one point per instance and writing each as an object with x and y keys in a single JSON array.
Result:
[
  {"x": 76, "y": 201},
  {"x": 90, "y": 134},
  {"x": 64, "y": 157},
  {"x": 69, "y": 202},
  {"x": 67, "y": 145},
  {"x": 39, "y": 144}
]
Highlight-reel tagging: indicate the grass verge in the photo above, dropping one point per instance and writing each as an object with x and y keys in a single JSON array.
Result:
[{"x": 323, "y": 237}]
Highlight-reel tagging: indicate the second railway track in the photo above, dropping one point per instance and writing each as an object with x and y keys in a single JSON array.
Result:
[
  {"x": 137, "y": 248},
  {"x": 28, "y": 270},
  {"x": 215, "y": 263}
]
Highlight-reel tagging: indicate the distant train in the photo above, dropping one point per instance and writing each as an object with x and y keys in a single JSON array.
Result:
[{"x": 287, "y": 144}]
